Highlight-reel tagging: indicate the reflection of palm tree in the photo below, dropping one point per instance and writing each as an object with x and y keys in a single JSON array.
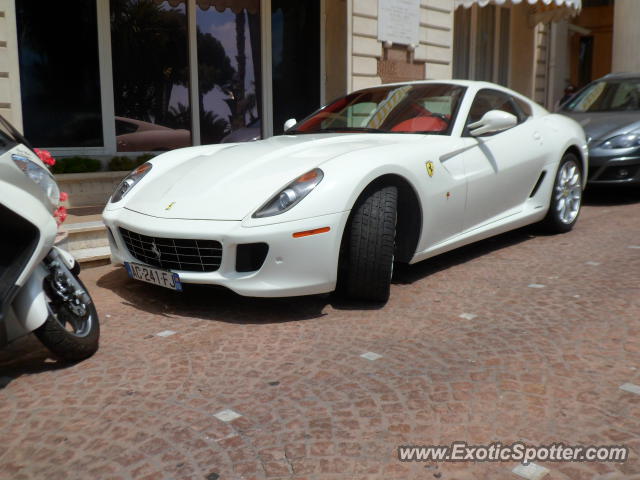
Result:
[
  {"x": 236, "y": 102},
  {"x": 214, "y": 70},
  {"x": 178, "y": 116},
  {"x": 150, "y": 56},
  {"x": 212, "y": 127}
]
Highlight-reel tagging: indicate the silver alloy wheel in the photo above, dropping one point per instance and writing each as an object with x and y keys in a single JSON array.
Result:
[{"x": 568, "y": 192}]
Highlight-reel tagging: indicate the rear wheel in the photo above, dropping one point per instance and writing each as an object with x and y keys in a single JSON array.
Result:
[
  {"x": 566, "y": 197},
  {"x": 369, "y": 246},
  {"x": 71, "y": 330}
]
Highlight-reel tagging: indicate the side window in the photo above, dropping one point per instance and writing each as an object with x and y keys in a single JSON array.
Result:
[
  {"x": 524, "y": 107},
  {"x": 487, "y": 100}
]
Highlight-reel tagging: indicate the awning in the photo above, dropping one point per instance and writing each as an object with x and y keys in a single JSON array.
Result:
[
  {"x": 544, "y": 10},
  {"x": 236, "y": 6}
]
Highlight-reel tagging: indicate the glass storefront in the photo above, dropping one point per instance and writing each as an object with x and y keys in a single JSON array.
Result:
[
  {"x": 182, "y": 72},
  {"x": 295, "y": 51},
  {"x": 228, "y": 72},
  {"x": 59, "y": 73},
  {"x": 149, "y": 48}
]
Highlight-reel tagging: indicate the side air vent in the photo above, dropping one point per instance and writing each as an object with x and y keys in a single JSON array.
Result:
[{"x": 538, "y": 183}]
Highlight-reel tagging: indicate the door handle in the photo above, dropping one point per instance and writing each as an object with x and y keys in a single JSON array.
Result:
[{"x": 537, "y": 136}]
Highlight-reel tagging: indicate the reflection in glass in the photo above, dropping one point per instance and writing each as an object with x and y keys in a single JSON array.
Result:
[
  {"x": 295, "y": 28},
  {"x": 149, "y": 44},
  {"x": 59, "y": 73},
  {"x": 229, "y": 72}
]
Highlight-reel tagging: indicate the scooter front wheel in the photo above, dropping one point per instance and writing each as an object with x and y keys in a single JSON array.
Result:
[{"x": 72, "y": 330}]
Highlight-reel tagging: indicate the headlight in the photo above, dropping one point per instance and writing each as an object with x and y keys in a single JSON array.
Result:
[
  {"x": 130, "y": 181},
  {"x": 41, "y": 176},
  {"x": 622, "y": 141},
  {"x": 289, "y": 196}
]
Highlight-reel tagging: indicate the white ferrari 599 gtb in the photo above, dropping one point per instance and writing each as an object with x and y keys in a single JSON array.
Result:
[{"x": 396, "y": 173}]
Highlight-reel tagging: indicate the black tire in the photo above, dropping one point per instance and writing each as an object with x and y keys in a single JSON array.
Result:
[
  {"x": 66, "y": 345},
  {"x": 553, "y": 222},
  {"x": 369, "y": 246}
]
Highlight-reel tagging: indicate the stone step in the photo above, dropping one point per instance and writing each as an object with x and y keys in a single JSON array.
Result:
[
  {"x": 95, "y": 254},
  {"x": 86, "y": 235}
]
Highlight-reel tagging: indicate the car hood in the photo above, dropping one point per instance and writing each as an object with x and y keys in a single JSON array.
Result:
[
  {"x": 237, "y": 179},
  {"x": 603, "y": 125}
]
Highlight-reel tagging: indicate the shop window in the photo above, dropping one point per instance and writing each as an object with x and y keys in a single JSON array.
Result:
[
  {"x": 149, "y": 44},
  {"x": 295, "y": 28},
  {"x": 229, "y": 71},
  {"x": 59, "y": 73}
]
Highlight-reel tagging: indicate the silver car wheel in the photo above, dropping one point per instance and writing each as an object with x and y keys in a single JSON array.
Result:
[{"x": 568, "y": 192}]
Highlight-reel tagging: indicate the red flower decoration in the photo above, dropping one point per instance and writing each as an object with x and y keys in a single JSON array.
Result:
[
  {"x": 60, "y": 215},
  {"x": 64, "y": 196},
  {"x": 45, "y": 156}
]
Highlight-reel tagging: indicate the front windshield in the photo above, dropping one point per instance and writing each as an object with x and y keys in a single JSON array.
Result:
[
  {"x": 607, "y": 96},
  {"x": 418, "y": 108}
]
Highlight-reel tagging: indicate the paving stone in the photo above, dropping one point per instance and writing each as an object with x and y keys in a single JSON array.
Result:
[
  {"x": 227, "y": 415},
  {"x": 371, "y": 356},
  {"x": 530, "y": 471},
  {"x": 631, "y": 388},
  {"x": 545, "y": 367},
  {"x": 165, "y": 333}
]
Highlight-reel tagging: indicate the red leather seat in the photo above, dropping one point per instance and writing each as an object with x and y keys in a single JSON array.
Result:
[{"x": 421, "y": 124}]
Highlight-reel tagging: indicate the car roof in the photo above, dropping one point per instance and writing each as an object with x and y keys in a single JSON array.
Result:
[{"x": 622, "y": 76}]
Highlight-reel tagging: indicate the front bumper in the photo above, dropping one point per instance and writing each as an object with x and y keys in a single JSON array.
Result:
[
  {"x": 293, "y": 266},
  {"x": 607, "y": 167}
]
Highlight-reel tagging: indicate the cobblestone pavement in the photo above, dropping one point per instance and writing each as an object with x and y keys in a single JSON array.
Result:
[{"x": 540, "y": 365}]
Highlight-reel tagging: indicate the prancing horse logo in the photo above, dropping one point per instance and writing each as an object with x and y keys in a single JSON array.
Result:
[
  {"x": 155, "y": 250},
  {"x": 170, "y": 205}
]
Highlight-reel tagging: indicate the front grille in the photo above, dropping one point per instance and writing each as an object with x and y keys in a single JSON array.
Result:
[{"x": 174, "y": 253}]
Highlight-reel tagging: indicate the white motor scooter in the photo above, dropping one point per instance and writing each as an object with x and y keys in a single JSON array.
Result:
[{"x": 40, "y": 290}]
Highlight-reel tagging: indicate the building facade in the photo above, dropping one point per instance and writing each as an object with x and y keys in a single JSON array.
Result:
[{"x": 117, "y": 77}]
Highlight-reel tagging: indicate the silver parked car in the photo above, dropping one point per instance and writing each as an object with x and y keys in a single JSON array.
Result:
[{"x": 609, "y": 111}]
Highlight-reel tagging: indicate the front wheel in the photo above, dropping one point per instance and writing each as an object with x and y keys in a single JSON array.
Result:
[
  {"x": 369, "y": 246},
  {"x": 566, "y": 197},
  {"x": 72, "y": 330}
]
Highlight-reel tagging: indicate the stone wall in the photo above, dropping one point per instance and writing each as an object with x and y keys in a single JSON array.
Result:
[{"x": 432, "y": 57}]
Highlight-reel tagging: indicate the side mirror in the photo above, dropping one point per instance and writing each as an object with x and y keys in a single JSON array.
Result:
[
  {"x": 289, "y": 123},
  {"x": 493, "y": 121}
]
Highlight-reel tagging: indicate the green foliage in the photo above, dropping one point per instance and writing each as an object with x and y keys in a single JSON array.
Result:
[
  {"x": 125, "y": 164},
  {"x": 76, "y": 165}
]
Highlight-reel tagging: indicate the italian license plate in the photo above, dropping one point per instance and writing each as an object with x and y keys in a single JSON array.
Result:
[{"x": 156, "y": 276}]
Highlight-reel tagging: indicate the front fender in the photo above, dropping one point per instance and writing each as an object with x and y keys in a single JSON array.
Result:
[
  {"x": 345, "y": 178},
  {"x": 30, "y": 304},
  {"x": 68, "y": 259}
]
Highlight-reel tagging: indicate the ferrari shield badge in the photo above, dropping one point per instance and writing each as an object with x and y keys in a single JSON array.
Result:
[
  {"x": 170, "y": 205},
  {"x": 430, "y": 168}
]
